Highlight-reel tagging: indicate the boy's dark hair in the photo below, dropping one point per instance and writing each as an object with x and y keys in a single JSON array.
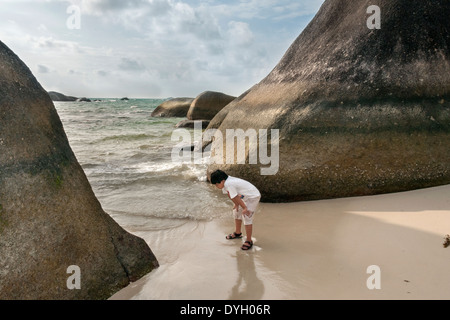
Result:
[{"x": 217, "y": 176}]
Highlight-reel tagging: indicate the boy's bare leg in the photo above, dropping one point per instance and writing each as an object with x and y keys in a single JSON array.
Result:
[
  {"x": 248, "y": 231},
  {"x": 238, "y": 225}
]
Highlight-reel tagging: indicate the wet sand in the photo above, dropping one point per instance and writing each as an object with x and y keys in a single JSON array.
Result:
[{"x": 309, "y": 250}]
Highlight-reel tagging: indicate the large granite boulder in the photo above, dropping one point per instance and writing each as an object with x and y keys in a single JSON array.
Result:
[
  {"x": 208, "y": 104},
  {"x": 360, "y": 111},
  {"x": 50, "y": 219},
  {"x": 176, "y": 108},
  {"x": 56, "y": 96}
]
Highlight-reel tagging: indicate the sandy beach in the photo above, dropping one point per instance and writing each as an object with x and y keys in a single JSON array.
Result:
[{"x": 309, "y": 250}]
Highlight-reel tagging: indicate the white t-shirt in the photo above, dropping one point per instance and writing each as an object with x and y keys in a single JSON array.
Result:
[{"x": 235, "y": 186}]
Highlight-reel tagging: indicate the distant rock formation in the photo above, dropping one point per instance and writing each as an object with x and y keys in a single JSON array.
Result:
[
  {"x": 207, "y": 105},
  {"x": 176, "y": 107},
  {"x": 84, "y": 99},
  {"x": 56, "y": 96},
  {"x": 50, "y": 219},
  {"x": 361, "y": 111},
  {"x": 191, "y": 124}
]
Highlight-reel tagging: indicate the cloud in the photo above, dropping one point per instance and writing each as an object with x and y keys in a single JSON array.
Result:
[
  {"x": 51, "y": 43},
  {"x": 133, "y": 14},
  {"x": 240, "y": 33},
  {"x": 164, "y": 47},
  {"x": 42, "y": 28},
  {"x": 101, "y": 7},
  {"x": 128, "y": 64},
  {"x": 153, "y": 18},
  {"x": 267, "y": 9},
  {"x": 198, "y": 22},
  {"x": 43, "y": 69}
]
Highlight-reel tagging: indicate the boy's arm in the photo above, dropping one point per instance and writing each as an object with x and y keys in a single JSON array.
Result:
[
  {"x": 236, "y": 205},
  {"x": 238, "y": 202}
]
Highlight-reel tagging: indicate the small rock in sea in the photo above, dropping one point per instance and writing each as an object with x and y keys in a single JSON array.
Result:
[
  {"x": 84, "y": 99},
  {"x": 177, "y": 107},
  {"x": 207, "y": 105},
  {"x": 192, "y": 123}
]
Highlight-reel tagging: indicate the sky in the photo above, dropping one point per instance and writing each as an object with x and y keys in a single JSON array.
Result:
[{"x": 152, "y": 48}]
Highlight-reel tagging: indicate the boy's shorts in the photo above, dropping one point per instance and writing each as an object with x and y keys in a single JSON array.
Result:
[{"x": 252, "y": 205}]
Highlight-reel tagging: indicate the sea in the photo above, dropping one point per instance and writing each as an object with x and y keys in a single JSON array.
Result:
[{"x": 127, "y": 157}]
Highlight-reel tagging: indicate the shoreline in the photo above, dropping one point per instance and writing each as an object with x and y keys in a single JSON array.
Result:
[{"x": 308, "y": 251}]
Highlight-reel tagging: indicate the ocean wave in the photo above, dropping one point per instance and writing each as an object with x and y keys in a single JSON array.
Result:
[
  {"x": 145, "y": 173},
  {"x": 125, "y": 137},
  {"x": 161, "y": 218},
  {"x": 186, "y": 169}
]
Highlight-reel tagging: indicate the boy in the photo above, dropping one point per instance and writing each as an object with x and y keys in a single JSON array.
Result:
[{"x": 245, "y": 197}]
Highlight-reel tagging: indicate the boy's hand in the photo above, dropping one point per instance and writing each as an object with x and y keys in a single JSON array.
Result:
[
  {"x": 246, "y": 212},
  {"x": 236, "y": 207}
]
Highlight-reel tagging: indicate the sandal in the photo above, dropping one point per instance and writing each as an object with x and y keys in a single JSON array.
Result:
[
  {"x": 234, "y": 235},
  {"x": 247, "y": 245}
]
